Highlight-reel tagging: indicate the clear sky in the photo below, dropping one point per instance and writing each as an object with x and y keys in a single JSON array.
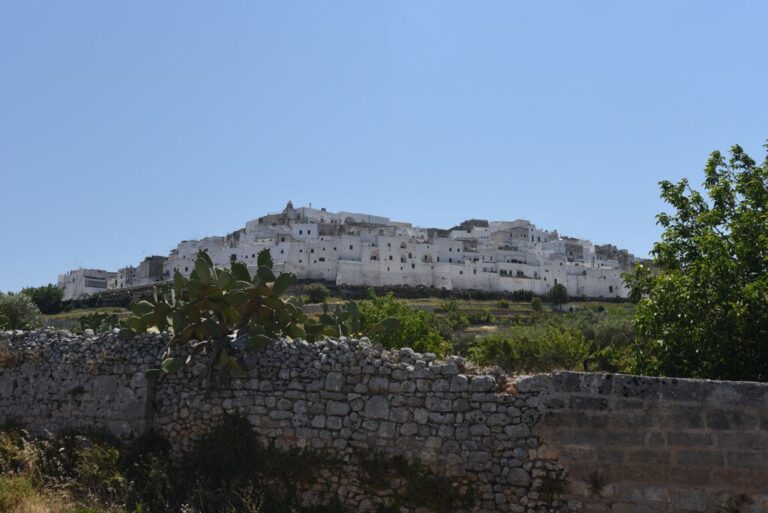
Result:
[{"x": 126, "y": 127}]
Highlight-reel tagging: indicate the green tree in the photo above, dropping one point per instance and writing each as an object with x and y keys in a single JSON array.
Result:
[
  {"x": 47, "y": 298},
  {"x": 558, "y": 295},
  {"x": 702, "y": 305},
  {"x": 19, "y": 312},
  {"x": 417, "y": 329},
  {"x": 316, "y": 293}
]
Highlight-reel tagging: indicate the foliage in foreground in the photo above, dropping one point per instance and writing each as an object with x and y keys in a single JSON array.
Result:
[
  {"x": 227, "y": 471},
  {"x": 48, "y": 298},
  {"x": 215, "y": 305},
  {"x": 701, "y": 312},
  {"x": 19, "y": 312}
]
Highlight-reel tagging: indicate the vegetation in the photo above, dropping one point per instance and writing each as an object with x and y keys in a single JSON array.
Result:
[
  {"x": 48, "y": 298},
  {"x": 316, "y": 293},
  {"x": 99, "y": 322},
  {"x": 702, "y": 305},
  {"x": 215, "y": 305},
  {"x": 558, "y": 295},
  {"x": 19, "y": 312},
  {"x": 417, "y": 329},
  {"x": 227, "y": 471},
  {"x": 584, "y": 340}
]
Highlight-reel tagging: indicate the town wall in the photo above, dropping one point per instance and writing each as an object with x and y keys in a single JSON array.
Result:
[{"x": 565, "y": 442}]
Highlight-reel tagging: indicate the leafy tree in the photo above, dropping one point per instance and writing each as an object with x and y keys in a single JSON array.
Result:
[
  {"x": 417, "y": 329},
  {"x": 536, "y": 304},
  {"x": 19, "y": 312},
  {"x": 702, "y": 305},
  {"x": 47, "y": 298},
  {"x": 316, "y": 293},
  {"x": 558, "y": 295}
]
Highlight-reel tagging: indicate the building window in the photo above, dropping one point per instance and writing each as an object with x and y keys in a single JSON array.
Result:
[
  {"x": 282, "y": 252},
  {"x": 413, "y": 266},
  {"x": 301, "y": 232},
  {"x": 390, "y": 257},
  {"x": 350, "y": 247},
  {"x": 282, "y": 239},
  {"x": 312, "y": 250},
  {"x": 309, "y": 232},
  {"x": 610, "y": 289},
  {"x": 450, "y": 260},
  {"x": 461, "y": 272}
]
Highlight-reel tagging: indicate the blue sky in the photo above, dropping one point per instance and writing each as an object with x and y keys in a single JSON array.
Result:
[{"x": 126, "y": 127}]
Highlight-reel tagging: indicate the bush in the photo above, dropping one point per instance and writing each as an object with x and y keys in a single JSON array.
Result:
[
  {"x": 47, "y": 298},
  {"x": 536, "y": 304},
  {"x": 536, "y": 348},
  {"x": 418, "y": 329},
  {"x": 502, "y": 304},
  {"x": 99, "y": 322},
  {"x": 558, "y": 295},
  {"x": 19, "y": 312},
  {"x": 316, "y": 292},
  {"x": 481, "y": 318}
]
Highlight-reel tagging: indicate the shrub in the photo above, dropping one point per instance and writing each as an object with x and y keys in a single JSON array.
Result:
[
  {"x": 536, "y": 304},
  {"x": 502, "y": 304},
  {"x": 316, "y": 293},
  {"x": 481, "y": 318},
  {"x": 417, "y": 329},
  {"x": 18, "y": 311},
  {"x": 99, "y": 322},
  {"x": 48, "y": 298},
  {"x": 536, "y": 348},
  {"x": 558, "y": 295}
]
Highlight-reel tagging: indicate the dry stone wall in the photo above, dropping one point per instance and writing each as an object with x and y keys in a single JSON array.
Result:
[{"x": 564, "y": 442}]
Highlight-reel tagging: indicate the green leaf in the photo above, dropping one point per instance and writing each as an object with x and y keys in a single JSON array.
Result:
[
  {"x": 179, "y": 283},
  {"x": 240, "y": 272},
  {"x": 282, "y": 282},
  {"x": 265, "y": 274},
  {"x": 136, "y": 324},
  {"x": 171, "y": 365},
  {"x": 211, "y": 329},
  {"x": 142, "y": 308},
  {"x": 126, "y": 334},
  {"x": 203, "y": 270},
  {"x": 265, "y": 259},
  {"x": 295, "y": 331},
  {"x": 257, "y": 342}
]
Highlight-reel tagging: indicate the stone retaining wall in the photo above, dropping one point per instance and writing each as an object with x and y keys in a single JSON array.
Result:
[{"x": 564, "y": 442}]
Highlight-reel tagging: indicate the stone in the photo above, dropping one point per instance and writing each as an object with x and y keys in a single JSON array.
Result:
[{"x": 377, "y": 407}]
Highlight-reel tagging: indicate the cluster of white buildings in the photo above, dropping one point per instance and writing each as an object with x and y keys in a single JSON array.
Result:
[{"x": 361, "y": 249}]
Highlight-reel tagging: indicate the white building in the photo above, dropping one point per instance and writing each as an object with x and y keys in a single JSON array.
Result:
[
  {"x": 366, "y": 250},
  {"x": 84, "y": 282},
  {"x": 360, "y": 249}
]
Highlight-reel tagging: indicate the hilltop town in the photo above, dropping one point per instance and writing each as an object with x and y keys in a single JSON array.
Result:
[{"x": 367, "y": 250}]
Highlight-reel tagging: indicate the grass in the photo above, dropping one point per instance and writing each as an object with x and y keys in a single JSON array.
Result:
[{"x": 74, "y": 315}]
